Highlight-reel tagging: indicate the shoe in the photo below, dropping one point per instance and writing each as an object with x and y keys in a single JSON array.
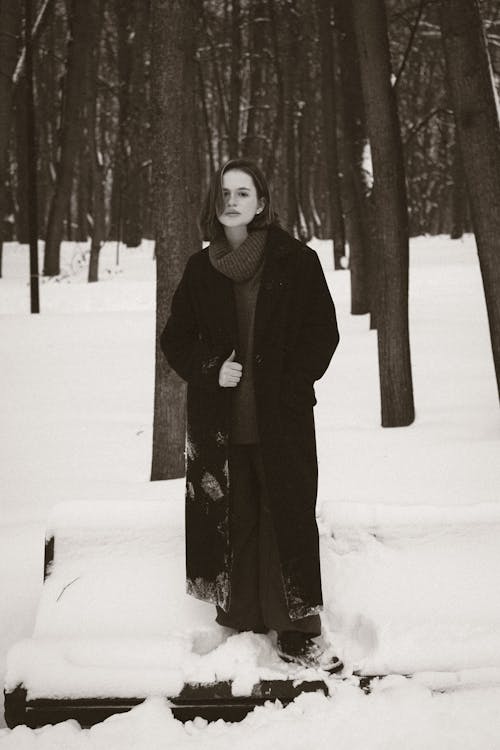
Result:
[{"x": 299, "y": 648}]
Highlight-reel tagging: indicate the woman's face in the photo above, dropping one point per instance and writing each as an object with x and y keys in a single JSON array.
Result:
[{"x": 240, "y": 199}]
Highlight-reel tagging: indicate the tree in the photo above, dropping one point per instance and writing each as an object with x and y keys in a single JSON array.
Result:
[
  {"x": 96, "y": 166},
  {"x": 82, "y": 40},
  {"x": 176, "y": 187},
  {"x": 329, "y": 107},
  {"x": 353, "y": 143},
  {"x": 10, "y": 26},
  {"x": 132, "y": 25},
  {"x": 391, "y": 217},
  {"x": 478, "y": 131},
  {"x": 255, "y": 144}
]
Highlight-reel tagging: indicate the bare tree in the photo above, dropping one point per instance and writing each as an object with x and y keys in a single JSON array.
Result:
[
  {"x": 353, "y": 143},
  {"x": 391, "y": 218},
  {"x": 478, "y": 132},
  {"x": 256, "y": 143},
  {"x": 176, "y": 188},
  {"x": 329, "y": 107},
  {"x": 10, "y": 26},
  {"x": 96, "y": 166},
  {"x": 82, "y": 39}
]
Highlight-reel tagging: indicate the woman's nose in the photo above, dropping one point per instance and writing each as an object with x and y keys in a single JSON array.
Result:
[{"x": 231, "y": 200}]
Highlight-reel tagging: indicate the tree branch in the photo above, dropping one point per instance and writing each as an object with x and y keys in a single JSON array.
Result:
[
  {"x": 35, "y": 33},
  {"x": 410, "y": 41}
]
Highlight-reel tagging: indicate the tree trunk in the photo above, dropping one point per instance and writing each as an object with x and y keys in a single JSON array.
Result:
[
  {"x": 329, "y": 107},
  {"x": 83, "y": 189},
  {"x": 134, "y": 23},
  {"x": 176, "y": 195},
  {"x": 21, "y": 127},
  {"x": 279, "y": 119},
  {"x": 353, "y": 138},
  {"x": 96, "y": 167},
  {"x": 235, "y": 80},
  {"x": 10, "y": 26},
  {"x": 256, "y": 144},
  {"x": 458, "y": 195},
  {"x": 79, "y": 50},
  {"x": 396, "y": 388},
  {"x": 31, "y": 147},
  {"x": 289, "y": 40},
  {"x": 478, "y": 132}
]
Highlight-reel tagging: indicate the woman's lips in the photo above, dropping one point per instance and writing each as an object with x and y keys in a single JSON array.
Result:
[{"x": 232, "y": 213}]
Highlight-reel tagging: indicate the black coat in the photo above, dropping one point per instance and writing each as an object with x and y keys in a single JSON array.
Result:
[{"x": 294, "y": 339}]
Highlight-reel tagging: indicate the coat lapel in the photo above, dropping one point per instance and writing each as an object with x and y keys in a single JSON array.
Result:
[
  {"x": 221, "y": 291},
  {"x": 274, "y": 282}
]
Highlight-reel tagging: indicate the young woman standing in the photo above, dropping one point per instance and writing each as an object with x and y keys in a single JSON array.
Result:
[{"x": 252, "y": 327}]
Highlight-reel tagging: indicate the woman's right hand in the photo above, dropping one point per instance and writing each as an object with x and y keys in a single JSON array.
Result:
[{"x": 230, "y": 372}]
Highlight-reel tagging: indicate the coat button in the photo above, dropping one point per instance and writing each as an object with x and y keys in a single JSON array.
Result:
[{"x": 258, "y": 359}]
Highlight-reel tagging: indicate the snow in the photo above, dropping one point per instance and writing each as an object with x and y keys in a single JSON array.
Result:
[{"x": 409, "y": 521}]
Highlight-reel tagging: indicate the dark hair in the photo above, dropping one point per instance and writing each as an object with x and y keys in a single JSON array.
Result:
[{"x": 214, "y": 202}]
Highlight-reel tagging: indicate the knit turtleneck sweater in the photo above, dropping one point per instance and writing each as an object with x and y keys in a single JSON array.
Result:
[{"x": 244, "y": 267}]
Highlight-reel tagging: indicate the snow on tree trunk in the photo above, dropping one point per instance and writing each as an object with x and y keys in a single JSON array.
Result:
[
  {"x": 478, "y": 131},
  {"x": 391, "y": 216},
  {"x": 176, "y": 196}
]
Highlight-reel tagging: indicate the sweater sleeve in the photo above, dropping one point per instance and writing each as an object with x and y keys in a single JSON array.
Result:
[{"x": 182, "y": 343}]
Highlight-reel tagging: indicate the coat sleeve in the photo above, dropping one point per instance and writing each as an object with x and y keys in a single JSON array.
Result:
[
  {"x": 182, "y": 343},
  {"x": 318, "y": 336}
]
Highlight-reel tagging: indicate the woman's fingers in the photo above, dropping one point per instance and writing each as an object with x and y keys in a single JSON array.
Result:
[{"x": 230, "y": 374}]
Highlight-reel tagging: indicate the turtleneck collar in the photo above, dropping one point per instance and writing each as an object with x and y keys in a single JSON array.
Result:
[{"x": 240, "y": 264}]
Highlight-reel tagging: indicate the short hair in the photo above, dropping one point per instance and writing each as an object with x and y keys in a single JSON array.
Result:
[{"x": 213, "y": 204}]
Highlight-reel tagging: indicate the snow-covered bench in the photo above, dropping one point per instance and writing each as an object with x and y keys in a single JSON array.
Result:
[
  {"x": 408, "y": 590},
  {"x": 115, "y": 626}
]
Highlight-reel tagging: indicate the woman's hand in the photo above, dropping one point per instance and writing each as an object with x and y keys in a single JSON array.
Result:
[{"x": 230, "y": 372}]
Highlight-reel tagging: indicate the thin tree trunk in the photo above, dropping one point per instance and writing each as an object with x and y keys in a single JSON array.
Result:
[
  {"x": 396, "y": 388},
  {"x": 38, "y": 28},
  {"x": 10, "y": 26},
  {"x": 176, "y": 195},
  {"x": 235, "y": 80},
  {"x": 20, "y": 101},
  {"x": 133, "y": 130},
  {"x": 478, "y": 132},
  {"x": 289, "y": 38},
  {"x": 458, "y": 195},
  {"x": 256, "y": 146},
  {"x": 82, "y": 190},
  {"x": 353, "y": 137},
  {"x": 79, "y": 49},
  {"x": 31, "y": 148},
  {"x": 329, "y": 107},
  {"x": 206, "y": 117},
  {"x": 279, "y": 118},
  {"x": 96, "y": 8}
]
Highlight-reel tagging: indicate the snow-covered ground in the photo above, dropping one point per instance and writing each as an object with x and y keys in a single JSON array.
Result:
[{"x": 409, "y": 517}]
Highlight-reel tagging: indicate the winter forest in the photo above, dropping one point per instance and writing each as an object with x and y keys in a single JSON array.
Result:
[{"x": 377, "y": 125}]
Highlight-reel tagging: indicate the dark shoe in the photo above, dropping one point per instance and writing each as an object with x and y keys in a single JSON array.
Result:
[{"x": 300, "y": 648}]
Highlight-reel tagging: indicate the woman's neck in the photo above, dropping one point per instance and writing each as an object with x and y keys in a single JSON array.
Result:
[{"x": 235, "y": 236}]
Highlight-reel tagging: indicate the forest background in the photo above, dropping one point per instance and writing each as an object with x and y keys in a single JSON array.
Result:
[{"x": 374, "y": 122}]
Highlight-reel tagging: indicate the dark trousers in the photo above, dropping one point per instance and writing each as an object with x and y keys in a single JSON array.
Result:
[{"x": 257, "y": 596}]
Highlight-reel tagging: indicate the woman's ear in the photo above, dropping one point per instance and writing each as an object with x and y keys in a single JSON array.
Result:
[{"x": 262, "y": 204}]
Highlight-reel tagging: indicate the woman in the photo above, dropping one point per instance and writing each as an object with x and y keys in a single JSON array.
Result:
[{"x": 252, "y": 326}]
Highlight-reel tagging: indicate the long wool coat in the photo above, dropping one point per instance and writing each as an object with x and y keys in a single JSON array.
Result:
[{"x": 295, "y": 337}]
